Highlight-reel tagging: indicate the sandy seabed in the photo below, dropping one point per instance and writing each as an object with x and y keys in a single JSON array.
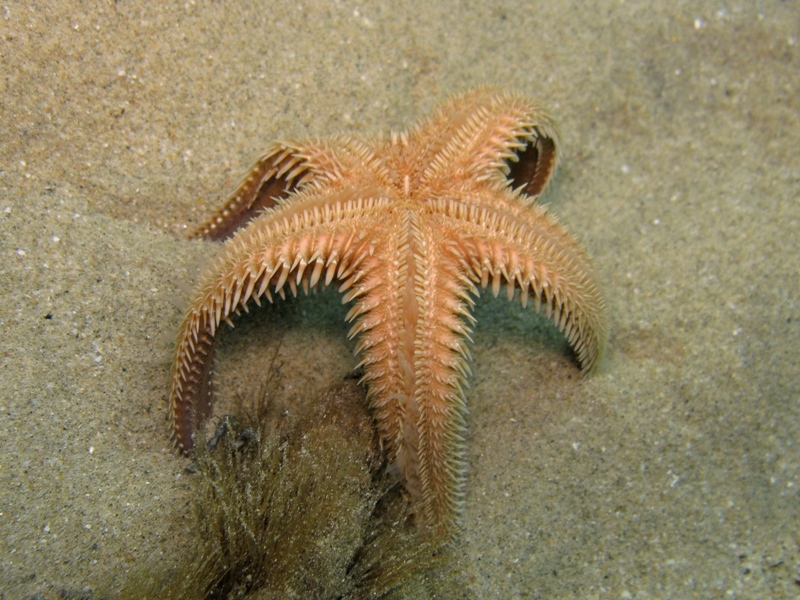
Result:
[{"x": 673, "y": 473}]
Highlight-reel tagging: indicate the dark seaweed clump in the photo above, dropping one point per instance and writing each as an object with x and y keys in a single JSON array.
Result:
[{"x": 297, "y": 510}]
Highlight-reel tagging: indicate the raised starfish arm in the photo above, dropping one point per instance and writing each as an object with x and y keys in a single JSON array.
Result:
[
  {"x": 532, "y": 252},
  {"x": 489, "y": 136},
  {"x": 286, "y": 168},
  {"x": 276, "y": 174},
  {"x": 498, "y": 142},
  {"x": 294, "y": 245}
]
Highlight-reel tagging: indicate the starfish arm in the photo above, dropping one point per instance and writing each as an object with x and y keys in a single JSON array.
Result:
[
  {"x": 276, "y": 174},
  {"x": 286, "y": 168},
  {"x": 488, "y": 136},
  {"x": 412, "y": 308},
  {"x": 283, "y": 248},
  {"x": 443, "y": 293},
  {"x": 385, "y": 318},
  {"x": 532, "y": 252}
]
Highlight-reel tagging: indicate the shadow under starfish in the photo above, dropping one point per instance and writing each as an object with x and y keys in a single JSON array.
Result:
[{"x": 409, "y": 229}]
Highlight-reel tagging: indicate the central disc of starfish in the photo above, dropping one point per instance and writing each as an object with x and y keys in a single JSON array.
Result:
[{"x": 409, "y": 229}]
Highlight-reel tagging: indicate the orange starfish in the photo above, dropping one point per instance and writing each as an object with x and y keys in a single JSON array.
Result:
[{"x": 409, "y": 228}]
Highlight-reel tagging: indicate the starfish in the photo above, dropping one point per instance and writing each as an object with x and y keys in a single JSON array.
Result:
[{"x": 410, "y": 228}]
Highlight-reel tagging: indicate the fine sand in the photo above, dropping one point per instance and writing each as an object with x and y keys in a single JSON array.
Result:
[{"x": 672, "y": 473}]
